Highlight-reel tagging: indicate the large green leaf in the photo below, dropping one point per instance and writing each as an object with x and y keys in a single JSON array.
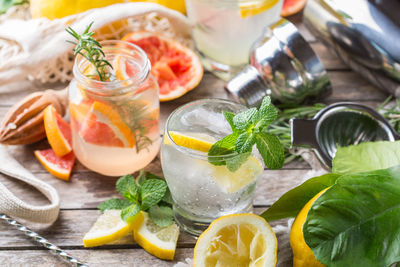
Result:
[
  {"x": 366, "y": 156},
  {"x": 290, "y": 204},
  {"x": 357, "y": 221}
]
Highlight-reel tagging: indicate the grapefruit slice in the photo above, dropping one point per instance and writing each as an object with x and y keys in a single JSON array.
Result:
[
  {"x": 58, "y": 131},
  {"x": 78, "y": 113},
  {"x": 176, "y": 68},
  {"x": 60, "y": 167},
  {"x": 104, "y": 126},
  {"x": 291, "y": 7}
]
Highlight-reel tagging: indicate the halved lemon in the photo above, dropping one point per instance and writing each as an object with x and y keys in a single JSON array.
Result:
[
  {"x": 108, "y": 227},
  {"x": 195, "y": 141},
  {"x": 252, "y": 8},
  {"x": 159, "y": 242},
  {"x": 58, "y": 131},
  {"x": 239, "y": 240}
]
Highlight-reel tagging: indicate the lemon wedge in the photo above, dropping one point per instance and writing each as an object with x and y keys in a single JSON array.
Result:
[
  {"x": 242, "y": 239},
  {"x": 195, "y": 141},
  {"x": 108, "y": 227},
  {"x": 159, "y": 242},
  {"x": 251, "y": 8},
  {"x": 231, "y": 182}
]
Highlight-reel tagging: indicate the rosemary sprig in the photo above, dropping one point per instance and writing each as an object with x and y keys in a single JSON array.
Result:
[{"x": 89, "y": 48}]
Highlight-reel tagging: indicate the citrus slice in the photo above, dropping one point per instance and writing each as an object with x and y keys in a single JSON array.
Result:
[
  {"x": 60, "y": 167},
  {"x": 252, "y": 8},
  {"x": 195, "y": 141},
  {"x": 159, "y": 242},
  {"x": 242, "y": 239},
  {"x": 291, "y": 7},
  {"x": 176, "y": 67},
  {"x": 231, "y": 182},
  {"x": 78, "y": 113},
  {"x": 104, "y": 126},
  {"x": 58, "y": 131},
  {"x": 108, "y": 227},
  {"x": 123, "y": 69}
]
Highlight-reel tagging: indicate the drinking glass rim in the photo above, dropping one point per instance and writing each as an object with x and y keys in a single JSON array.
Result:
[{"x": 192, "y": 152}]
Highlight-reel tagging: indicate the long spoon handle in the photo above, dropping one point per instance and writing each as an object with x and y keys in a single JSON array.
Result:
[{"x": 43, "y": 241}]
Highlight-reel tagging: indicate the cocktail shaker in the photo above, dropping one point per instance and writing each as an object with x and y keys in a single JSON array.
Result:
[
  {"x": 282, "y": 65},
  {"x": 364, "y": 33}
]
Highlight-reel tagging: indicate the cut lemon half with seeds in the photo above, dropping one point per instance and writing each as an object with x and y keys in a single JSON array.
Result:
[
  {"x": 195, "y": 141},
  {"x": 239, "y": 239},
  {"x": 159, "y": 242},
  {"x": 108, "y": 228},
  {"x": 251, "y": 8}
]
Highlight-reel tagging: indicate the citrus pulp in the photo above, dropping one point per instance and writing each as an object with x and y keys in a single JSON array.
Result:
[
  {"x": 291, "y": 7},
  {"x": 60, "y": 167}
]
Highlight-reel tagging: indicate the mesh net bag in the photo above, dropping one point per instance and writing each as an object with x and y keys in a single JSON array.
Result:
[{"x": 36, "y": 49}]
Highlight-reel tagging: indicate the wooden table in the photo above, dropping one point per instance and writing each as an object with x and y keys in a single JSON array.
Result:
[{"x": 85, "y": 190}]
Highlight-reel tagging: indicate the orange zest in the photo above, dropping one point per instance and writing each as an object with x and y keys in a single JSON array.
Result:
[{"x": 58, "y": 131}]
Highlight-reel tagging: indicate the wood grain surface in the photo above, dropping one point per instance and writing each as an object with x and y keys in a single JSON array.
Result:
[{"x": 85, "y": 190}]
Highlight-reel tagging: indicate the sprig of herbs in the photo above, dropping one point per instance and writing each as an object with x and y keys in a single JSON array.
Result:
[
  {"x": 249, "y": 129},
  {"x": 91, "y": 49},
  {"x": 148, "y": 192}
]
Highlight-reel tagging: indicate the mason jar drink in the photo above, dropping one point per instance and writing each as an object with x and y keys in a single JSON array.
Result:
[
  {"x": 225, "y": 30},
  {"x": 202, "y": 191},
  {"x": 115, "y": 123}
]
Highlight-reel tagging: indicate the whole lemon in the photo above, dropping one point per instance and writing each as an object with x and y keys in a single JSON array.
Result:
[
  {"x": 55, "y": 9},
  {"x": 302, "y": 253}
]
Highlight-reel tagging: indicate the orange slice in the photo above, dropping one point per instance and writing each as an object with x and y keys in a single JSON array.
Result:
[
  {"x": 58, "y": 131},
  {"x": 60, "y": 167},
  {"x": 104, "y": 126},
  {"x": 176, "y": 68}
]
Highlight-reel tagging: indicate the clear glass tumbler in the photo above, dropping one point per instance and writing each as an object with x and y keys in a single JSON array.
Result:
[
  {"x": 115, "y": 123},
  {"x": 201, "y": 191},
  {"x": 225, "y": 30}
]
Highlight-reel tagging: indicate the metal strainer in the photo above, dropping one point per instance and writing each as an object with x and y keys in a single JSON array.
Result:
[{"x": 340, "y": 124}]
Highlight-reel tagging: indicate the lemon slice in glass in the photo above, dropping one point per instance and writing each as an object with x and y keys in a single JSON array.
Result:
[
  {"x": 108, "y": 227},
  {"x": 195, "y": 141},
  {"x": 249, "y": 8},
  {"x": 239, "y": 239},
  {"x": 159, "y": 242}
]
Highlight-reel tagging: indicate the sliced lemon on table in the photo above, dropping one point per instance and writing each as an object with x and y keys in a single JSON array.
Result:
[
  {"x": 239, "y": 239},
  {"x": 159, "y": 242},
  {"x": 251, "y": 8},
  {"x": 195, "y": 141},
  {"x": 108, "y": 227}
]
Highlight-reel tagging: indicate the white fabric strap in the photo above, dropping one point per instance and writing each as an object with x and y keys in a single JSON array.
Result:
[{"x": 11, "y": 205}]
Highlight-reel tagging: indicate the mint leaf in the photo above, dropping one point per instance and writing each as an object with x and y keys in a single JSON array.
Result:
[
  {"x": 224, "y": 146},
  {"x": 233, "y": 164},
  {"x": 6, "y": 4},
  {"x": 141, "y": 177},
  {"x": 265, "y": 118},
  {"x": 243, "y": 119},
  {"x": 151, "y": 192},
  {"x": 229, "y": 118},
  {"x": 366, "y": 156},
  {"x": 162, "y": 216},
  {"x": 127, "y": 187},
  {"x": 245, "y": 142},
  {"x": 167, "y": 198},
  {"x": 113, "y": 204},
  {"x": 271, "y": 150},
  {"x": 129, "y": 213}
]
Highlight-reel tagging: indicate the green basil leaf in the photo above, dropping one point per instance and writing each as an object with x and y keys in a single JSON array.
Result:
[
  {"x": 243, "y": 119},
  {"x": 151, "y": 192},
  {"x": 129, "y": 213},
  {"x": 366, "y": 156},
  {"x": 271, "y": 150},
  {"x": 127, "y": 187},
  {"x": 162, "y": 216},
  {"x": 290, "y": 204},
  {"x": 113, "y": 204},
  {"x": 356, "y": 222}
]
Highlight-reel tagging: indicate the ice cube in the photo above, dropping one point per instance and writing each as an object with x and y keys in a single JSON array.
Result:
[{"x": 201, "y": 117}]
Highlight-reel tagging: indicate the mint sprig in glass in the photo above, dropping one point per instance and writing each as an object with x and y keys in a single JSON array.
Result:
[{"x": 249, "y": 128}]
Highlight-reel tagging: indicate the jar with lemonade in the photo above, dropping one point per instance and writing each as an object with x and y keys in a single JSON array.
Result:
[{"x": 115, "y": 123}]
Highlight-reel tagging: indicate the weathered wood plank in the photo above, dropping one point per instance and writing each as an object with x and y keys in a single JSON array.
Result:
[{"x": 71, "y": 226}]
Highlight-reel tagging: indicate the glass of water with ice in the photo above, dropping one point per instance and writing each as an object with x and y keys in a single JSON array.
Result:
[
  {"x": 225, "y": 30},
  {"x": 202, "y": 191}
]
